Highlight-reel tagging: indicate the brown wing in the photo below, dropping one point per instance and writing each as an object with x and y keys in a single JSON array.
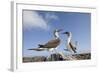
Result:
[
  {"x": 52, "y": 43},
  {"x": 73, "y": 44},
  {"x": 72, "y": 47}
]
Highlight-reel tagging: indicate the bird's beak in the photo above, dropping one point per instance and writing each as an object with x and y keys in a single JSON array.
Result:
[
  {"x": 59, "y": 30},
  {"x": 65, "y": 33}
]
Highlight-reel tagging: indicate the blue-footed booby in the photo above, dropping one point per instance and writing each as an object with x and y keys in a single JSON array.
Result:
[
  {"x": 50, "y": 45},
  {"x": 70, "y": 46}
]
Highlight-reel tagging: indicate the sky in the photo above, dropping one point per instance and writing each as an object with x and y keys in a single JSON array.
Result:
[{"x": 38, "y": 27}]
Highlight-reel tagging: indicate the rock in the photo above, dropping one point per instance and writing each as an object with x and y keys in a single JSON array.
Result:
[
  {"x": 55, "y": 57},
  {"x": 34, "y": 59}
]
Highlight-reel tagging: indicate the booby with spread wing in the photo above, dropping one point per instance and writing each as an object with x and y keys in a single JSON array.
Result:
[{"x": 50, "y": 45}]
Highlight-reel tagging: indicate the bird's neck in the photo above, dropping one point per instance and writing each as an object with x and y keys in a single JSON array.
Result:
[
  {"x": 56, "y": 35},
  {"x": 69, "y": 39}
]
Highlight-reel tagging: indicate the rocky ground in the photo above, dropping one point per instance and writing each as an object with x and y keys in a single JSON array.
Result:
[{"x": 58, "y": 57}]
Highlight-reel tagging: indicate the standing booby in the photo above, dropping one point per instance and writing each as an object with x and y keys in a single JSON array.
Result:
[
  {"x": 70, "y": 47},
  {"x": 50, "y": 45}
]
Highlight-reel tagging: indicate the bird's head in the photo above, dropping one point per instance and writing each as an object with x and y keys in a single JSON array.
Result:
[
  {"x": 56, "y": 32},
  {"x": 68, "y": 33}
]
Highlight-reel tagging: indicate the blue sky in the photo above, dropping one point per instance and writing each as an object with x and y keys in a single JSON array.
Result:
[{"x": 39, "y": 25}]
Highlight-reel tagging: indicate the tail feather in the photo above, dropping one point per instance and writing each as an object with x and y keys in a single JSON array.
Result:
[
  {"x": 33, "y": 49},
  {"x": 36, "y": 49}
]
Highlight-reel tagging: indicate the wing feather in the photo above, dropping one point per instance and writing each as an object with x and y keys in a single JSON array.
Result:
[
  {"x": 73, "y": 48},
  {"x": 52, "y": 43}
]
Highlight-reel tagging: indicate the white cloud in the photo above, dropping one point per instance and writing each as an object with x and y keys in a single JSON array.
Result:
[
  {"x": 50, "y": 16},
  {"x": 32, "y": 19}
]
